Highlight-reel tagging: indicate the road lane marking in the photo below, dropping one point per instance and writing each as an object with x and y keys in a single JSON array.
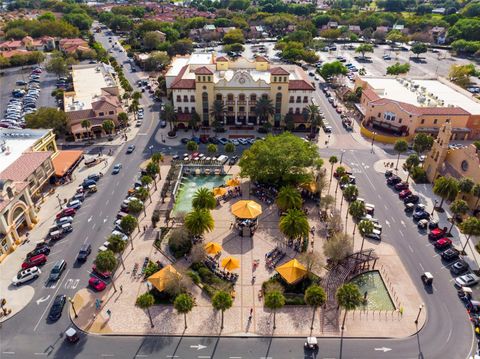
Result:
[
  {"x": 388, "y": 223},
  {"x": 86, "y": 239},
  {"x": 401, "y": 233},
  {"x": 423, "y": 269},
  {"x": 403, "y": 223},
  {"x": 204, "y": 357},
  {"x": 8, "y": 353},
  {"x": 385, "y": 207},
  {"x": 40, "y": 354},
  {"x": 50, "y": 303},
  {"x": 393, "y": 220},
  {"x": 108, "y": 355},
  {"x": 235, "y": 357},
  {"x": 93, "y": 226},
  {"x": 410, "y": 247}
]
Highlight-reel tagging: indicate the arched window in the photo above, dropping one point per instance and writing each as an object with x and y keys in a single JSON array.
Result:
[
  {"x": 192, "y": 98},
  {"x": 10, "y": 192},
  {"x": 219, "y": 97},
  {"x": 253, "y": 97},
  {"x": 185, "y": 98},
  {"x": 278, "y": 103},
  {"x": 241, "y": 97},
  {"x": 229, "y": 97},
  {"x": 179, "y": 98}
]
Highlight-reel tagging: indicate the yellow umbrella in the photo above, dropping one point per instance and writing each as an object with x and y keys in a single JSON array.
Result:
[
  {"x": 292, "y": 271},
  {"x": 213, "y": 248},
  {"x": 233, "y": 182},
  {"x": 246, "y": 209},
  {"x": 230, "y": 263},
  {"x": 219, "y": 191},
  {"x": 160, "y": 279},
  {"x": 310, "y": 186}
]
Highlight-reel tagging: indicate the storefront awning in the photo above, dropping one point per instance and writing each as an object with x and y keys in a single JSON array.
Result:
[{"x": 66, "y": 161}]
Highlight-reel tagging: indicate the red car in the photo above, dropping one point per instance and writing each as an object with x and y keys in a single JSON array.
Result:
[
  {"x": 66, "y": 212},
  {"x": 338, "y": 109},
  {"x": 97, "y": 284},
  {"x": 404, "y": 193},
  {"x": 104, "y": 275},
  {"x": 34, "y": 261},
  {"x": 401, "y": 186},
  {"x": 443, "y": 243},
  {"x": 437, "y": 233}
]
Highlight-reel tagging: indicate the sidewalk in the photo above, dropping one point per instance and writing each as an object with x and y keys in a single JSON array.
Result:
[
  {"x": 19, "y": 297},
  {"x": 291, "y": 320}
]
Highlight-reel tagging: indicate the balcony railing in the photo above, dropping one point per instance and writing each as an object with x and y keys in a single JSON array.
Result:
[{"x": 230, "y": 102}]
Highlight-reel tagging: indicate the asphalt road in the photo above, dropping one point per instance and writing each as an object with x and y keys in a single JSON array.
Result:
[{"x": 447, "y": 333}]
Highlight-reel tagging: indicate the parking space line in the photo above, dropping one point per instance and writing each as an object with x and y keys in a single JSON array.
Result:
[
  {"x": 421, "y": 266},
  {"x": 410, "y": 247}
]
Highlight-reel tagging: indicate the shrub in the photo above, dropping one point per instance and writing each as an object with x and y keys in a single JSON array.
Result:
[
  {"x": 152, "y": 268},
  {"x": 294, "y": 299},
  {"x": 206, "y": 275},
  {"x": 194, "y": 275},
  {"x": 179, "y": 242},
  {"x": 419, "y": 175},
  {"x": 155, "y": 217},
  {"x": 209, "y": 290}
]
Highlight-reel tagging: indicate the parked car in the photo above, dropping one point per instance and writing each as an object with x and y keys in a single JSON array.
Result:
[
  {"x": 404, "y": 193},
  {"x": 66, "y": 212},
  {"x": 26, "y": 275},
  {"x": 130, "y": 148},
  {"x": 467, "y": 280},
  {"x": 75, "y": 204},
  {"x": 57, "y": 270},
  {"x": 84, "y": 252},
  {"x": 104, "y": 275},
  {"x": 437, "y": 233},
  {"x": 421, "y": 214},
  {"x": 64, "y": 220},
  {"x": 413, "y": 198},
  {"x": 375, "y": 234},
  {"x": 42, "y": 250},
  {"x": 401, "y": 186},
  {"x": 34, "y": 261},
  {"x": 450, "y": 255},
  {"x": 94, "y": 177},
  {"x": 459, "y": 267},
  {"x": 117, "y": 168},
  {"x": 393, "y": 180},
  {"x": 57, "y": 307},
  {"x": 97, "y": 284},
  {"x": 443, "y": 243},
  {"x": 233, "y": 160}
]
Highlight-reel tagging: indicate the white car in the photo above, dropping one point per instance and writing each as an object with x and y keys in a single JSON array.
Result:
[
  {"x": 235, "y": 142},
  {"x": 120, "y": 234},
  {"x": 467, "y": 280},
  {"x": 26, "y": 275},
  {"x": 138, "y": 123}
]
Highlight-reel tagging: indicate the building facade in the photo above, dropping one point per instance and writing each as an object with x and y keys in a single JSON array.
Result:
[
  {"x": 404, "y": 107},
  {"x": 197, "y": 82}
]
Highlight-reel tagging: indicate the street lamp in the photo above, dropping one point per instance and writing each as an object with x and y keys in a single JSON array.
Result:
[
  {"x": 419, "y": 311},
  {"x": 434, "y": 206},
  {"x": 73, "y": 307},
  {"x": 341, "y": 156},
  {"x": 151, "y": 150},
  {"x": 373, "y": 140}
]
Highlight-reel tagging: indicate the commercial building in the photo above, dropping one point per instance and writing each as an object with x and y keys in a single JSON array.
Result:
[
  {"x": 95, "y": 97},
  {"x": 198, "y": 80},
  {"x": 454, "y": 161},
  {"x": 405, "y": 107}
]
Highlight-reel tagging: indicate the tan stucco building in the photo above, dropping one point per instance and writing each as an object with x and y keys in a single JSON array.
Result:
[
  {"x": 457, "y": 162},
  {"x": 405, "y": 107},
  {"x": 200, "y": 79}
]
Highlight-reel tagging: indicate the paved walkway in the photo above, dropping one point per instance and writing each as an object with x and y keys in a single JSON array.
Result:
[
  {"x": 126, "y": 318},
  {"x": 18, "y": 297}
]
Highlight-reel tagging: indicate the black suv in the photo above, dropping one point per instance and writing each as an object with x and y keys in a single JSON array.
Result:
[
  {"x": 459, "y": 267},
  {"x": 393, "y": 180},
  {"x": 40, "y": 250},
  {"x": 450, "y": 254},
  {"x": 85, "y": 250},
  {"x": 57, "y": 307},
  {"x": 233, "y": 160}
]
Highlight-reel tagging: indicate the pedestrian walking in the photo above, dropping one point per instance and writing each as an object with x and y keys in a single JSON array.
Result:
[
  {"x": 251, "y": 311},
  {"x": 109, "y": 313},
  {"x": 121, "y": 288},
  {"x": 144, "y": 228},
  {"x": 231, "y": 225}
]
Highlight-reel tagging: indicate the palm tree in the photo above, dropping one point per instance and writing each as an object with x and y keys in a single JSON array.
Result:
[
  {"x": 218, "y": 112},
  {"x": 274, "y": 300},
  {"x": 170, "y": 115},
  {"x": 145, "y": 301},
  {"x": 365, "y": 227},
  {"x": 193, "y": 121},
  {"x": 264, "y": 109},
  {"x": 108, "y": 126},
  {"x": 289, "y": 121},
  {"x": 136, "y": 95},
  {"x": 86, "y": 124},
  {"x": 157, "y": 157},
  {"x": 314, "y": 118},
  {"x": 142, "y": 193},
  {"x": 470, "y": 227},
  {"x": 446, "y": 187},
  {"x": 294, "y": 224},
  {"x": 146, "y": 180},
  {"x": 184, "y": 304},
  {"x": 134, "y": 107},
  {"x": 204, "y": 199},
  {"x": 476, "y": 194},
  {"x": 199, "y": 221},
  {"x": 222, "y": 301},
  {"x": 459, "y": 208},
  {"x": 105, "y": 262},
  {"x": 128, "y": 224},
  {"x": 400, "y": 147},
  {"x": 465, "y": 185},
  {"x": 315, "y": 297},
  {"x": 350, "y": 192},
  {"x": 288, "y": 197},
  {"x": 348, "y": 297},
  {"x": 332, "y": 160},
  {"x": 117, "y": 245},
  {"x": 152, "y": 169},
  {"x": 212, "y": 148},
  {"x": 122, "y": 119},
  {"x": 135, "y": 206},
  {"x": 126, "y": 96},
  {"x": 357, "y": 210}
]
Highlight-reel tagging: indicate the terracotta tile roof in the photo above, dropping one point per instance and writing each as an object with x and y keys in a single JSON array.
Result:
[
  {"x": 300, "y": 85},
  {"x": 106, "y": 102},
  {"x": 279, "y": 71},
  {"x": 261, "y": 59},
  {"x": 222, "y": 59},
  {"x": 180, "y": 83},
  {"x": 370, "y": 94},
  {"x": 80, "y": 115},
  {"x": 25, "y": 165},
  {"x": 417, "y": 110},
  {"x": 203, "y": 71},
  {"x": 65, "y": 160},
  {"x": 8, "y": 54}
]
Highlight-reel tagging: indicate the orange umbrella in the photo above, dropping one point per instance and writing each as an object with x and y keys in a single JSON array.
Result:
[
  {"x": 230, "y": 263},
  {"x": 161, "y": 279},
  {"x": 292, "y": 271},
  {"x": 246, "y": 209},
  {"x": 233, "y": 182},
  {"x": 213, "y": 248},
  {"x": 219, "y": 191}
]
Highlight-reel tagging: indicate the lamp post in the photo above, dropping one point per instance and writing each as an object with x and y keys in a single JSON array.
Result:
[
  {"x": 151, "y": 150},
  {"x": 341, "y": 156},
  {"x": 419, "y": 311},
  {"x": 73, "y": 306},
  {"x": 373, "y": 140},
  {"x": 434, "y": 205},
  {"x": 59, "y": 201}
]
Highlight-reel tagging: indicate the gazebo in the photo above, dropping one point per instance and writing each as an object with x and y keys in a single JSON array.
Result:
[
  {"x": 161, "y": 278},
  {"x": 246, "y": 213},
  {"x": 292, "y": 271}
]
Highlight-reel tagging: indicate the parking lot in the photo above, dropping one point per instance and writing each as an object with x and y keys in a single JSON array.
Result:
[{"x": 25, "y": 91}]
